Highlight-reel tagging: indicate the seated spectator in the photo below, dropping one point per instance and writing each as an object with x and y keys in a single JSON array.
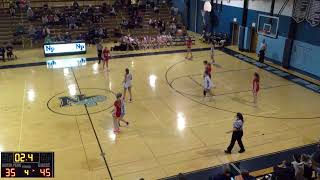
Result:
[
  {"x": 22, "y": 4},
  {"x": 225, "y": 175},
  {"x": 104, "y": 8},
  {"x": 2, "y": 53},
  {"x": 12, "y": 11},
  {"x": 72, "y": 22},
  {"x": 31, "y": 31},
  {"x": 245, "y": 176},
  {"x": 307, "y": 165},
  {"x": 156, "y": 9},
  {"x": 67, "y": 37},
  {"x": 9, "y": 49},
  {"x": 298, "y": 167},
  {"x": 56, "y": 19},
  {"x": 30, "y": 14},
  {"x": 45, "y": 7},
  {"x": 19, "y": 30},
  {"x": 117, "y": 32},
  {"x": 80, "y": 37},
  {"x": 113, "y": 12},
  {"x": 284, "y": 171},
  {"x": 124, "y": 23},
  {"x": 47, "y": 39},
  {"x": 75, "y": 4},
  {"x": 45, "y": 31},
  {"x": 58, "y": 38},
  {"x": 316, "y": 157},
  {"x": 44, "y": 19},
  {"x": 174, "y": 11},
  {"x": 50, "y": 19},
  {"x": 173, "y": 29}
]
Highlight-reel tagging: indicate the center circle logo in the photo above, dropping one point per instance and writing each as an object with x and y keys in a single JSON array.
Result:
[{"x": 88, "y": 100}]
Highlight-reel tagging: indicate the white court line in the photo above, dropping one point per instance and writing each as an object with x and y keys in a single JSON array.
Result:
[{"x": 22, "y": 112}]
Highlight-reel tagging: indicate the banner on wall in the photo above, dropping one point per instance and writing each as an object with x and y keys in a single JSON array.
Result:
[
  {"x": 307, "y": 10},
  {"x": 300, "y": 9},
  {"x": 314, "y": 13}
]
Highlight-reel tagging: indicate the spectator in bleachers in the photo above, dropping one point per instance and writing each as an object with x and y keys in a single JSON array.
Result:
[
  {"x": 75, "y": 4},
  {"x": 284, "y": 171},
  {"x": 316, "y": 160},
  {"x": 316, "y": 156},
  {"x": 113, "y": 11},
  {"x": 47, "y": 39},
  {"x": 2, "y": 53},
  {"x": 45, "y": 31},
  {"x": 50, "y": 18},
  {"x": 298, "y": 167},
  {"x": 45, "y": 7},
  {"x": 9, "y": 50},
  {"x": 19, "y": 30},
  {"x": 72, "y": 23},
  {"x": 56, "y": 19},
  {"x": 307, "y": 165},
  {"x": 44, "y": 19},
  {"x": 124, "y": 23},
  {"x": 80, "y": 37},
  {"x": 225, "y": 175},
  {"x": 12, "y": 11},
  {"x": 58, "y": 38},
  {"x": 173, "y": 29},
  {"x": 245, "y": 175},
  {"x": 31, "y": 31},
  {"x": 156, "y": 10},
  {"x": 67, "y": 37},
  {"x": 30, "y": 14}
]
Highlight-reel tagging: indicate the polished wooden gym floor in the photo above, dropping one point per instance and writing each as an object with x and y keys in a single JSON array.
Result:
[{"x": 171, "y": 128}]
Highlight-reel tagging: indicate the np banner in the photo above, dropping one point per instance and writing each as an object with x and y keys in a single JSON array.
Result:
[{"x": 64, "y": 48}]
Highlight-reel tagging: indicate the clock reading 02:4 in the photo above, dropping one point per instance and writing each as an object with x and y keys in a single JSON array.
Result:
[{"x": 27, "y": 164}]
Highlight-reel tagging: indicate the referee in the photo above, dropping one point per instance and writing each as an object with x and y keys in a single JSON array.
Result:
[{"x": 237, "y": 133}]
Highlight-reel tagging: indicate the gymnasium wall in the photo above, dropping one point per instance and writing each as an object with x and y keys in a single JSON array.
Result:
[{"x": 306, "y": 46}]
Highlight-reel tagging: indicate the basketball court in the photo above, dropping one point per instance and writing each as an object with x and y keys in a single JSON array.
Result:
[{"x": 171, "y": 129}]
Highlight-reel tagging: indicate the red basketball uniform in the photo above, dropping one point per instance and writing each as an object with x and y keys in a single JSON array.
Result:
[
  {"x": 255, "y": 85},
  {"x": 189, "y": 43},
  {"x": 117, "y": 106},
  {"x": 208, "y": 68},
  {"x": 106, "y": 54}
]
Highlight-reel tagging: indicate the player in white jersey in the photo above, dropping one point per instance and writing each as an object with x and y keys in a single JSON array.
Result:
[{"x": 127, "y": 84}]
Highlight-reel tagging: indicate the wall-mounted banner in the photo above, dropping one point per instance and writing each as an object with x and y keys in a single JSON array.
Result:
[
  {"x": 300, "y": 10},
  {"x": 314, "y": 13}
]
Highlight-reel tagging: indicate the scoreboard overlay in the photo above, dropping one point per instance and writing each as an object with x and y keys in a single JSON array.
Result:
[{"x": 27, "y": 164}]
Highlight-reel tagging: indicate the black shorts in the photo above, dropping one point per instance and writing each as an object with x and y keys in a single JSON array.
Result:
[
  {"x": 9, "y": 53},
  {"x": 99, "y": 54}
]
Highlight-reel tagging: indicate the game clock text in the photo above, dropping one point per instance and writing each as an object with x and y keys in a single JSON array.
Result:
[{"x": 27, "y": 164}]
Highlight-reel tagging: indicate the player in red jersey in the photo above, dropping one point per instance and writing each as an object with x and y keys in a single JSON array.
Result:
[
  {"x": 189, "y": 46},
  {"x": 207, "y": 68},
  {"x": 106, "y": 57},
  {"x": 118, "y": 113},
  {"x": 255, "y": 87}
]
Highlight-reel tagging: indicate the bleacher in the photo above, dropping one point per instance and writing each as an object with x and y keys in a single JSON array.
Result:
[{"x": 9, "y": 24}]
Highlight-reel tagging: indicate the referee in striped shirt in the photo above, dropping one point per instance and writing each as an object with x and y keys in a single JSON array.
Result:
[{"x": 237, "y": 133}]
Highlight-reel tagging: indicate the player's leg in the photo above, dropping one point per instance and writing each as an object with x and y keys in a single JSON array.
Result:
[{"x": 130, "y": 93}]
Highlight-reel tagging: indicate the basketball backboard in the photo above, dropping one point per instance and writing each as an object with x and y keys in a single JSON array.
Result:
[{"x": 268, "y": 25}]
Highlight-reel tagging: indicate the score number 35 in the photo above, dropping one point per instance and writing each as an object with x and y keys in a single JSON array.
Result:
[{"x": 10, "y": 172}]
